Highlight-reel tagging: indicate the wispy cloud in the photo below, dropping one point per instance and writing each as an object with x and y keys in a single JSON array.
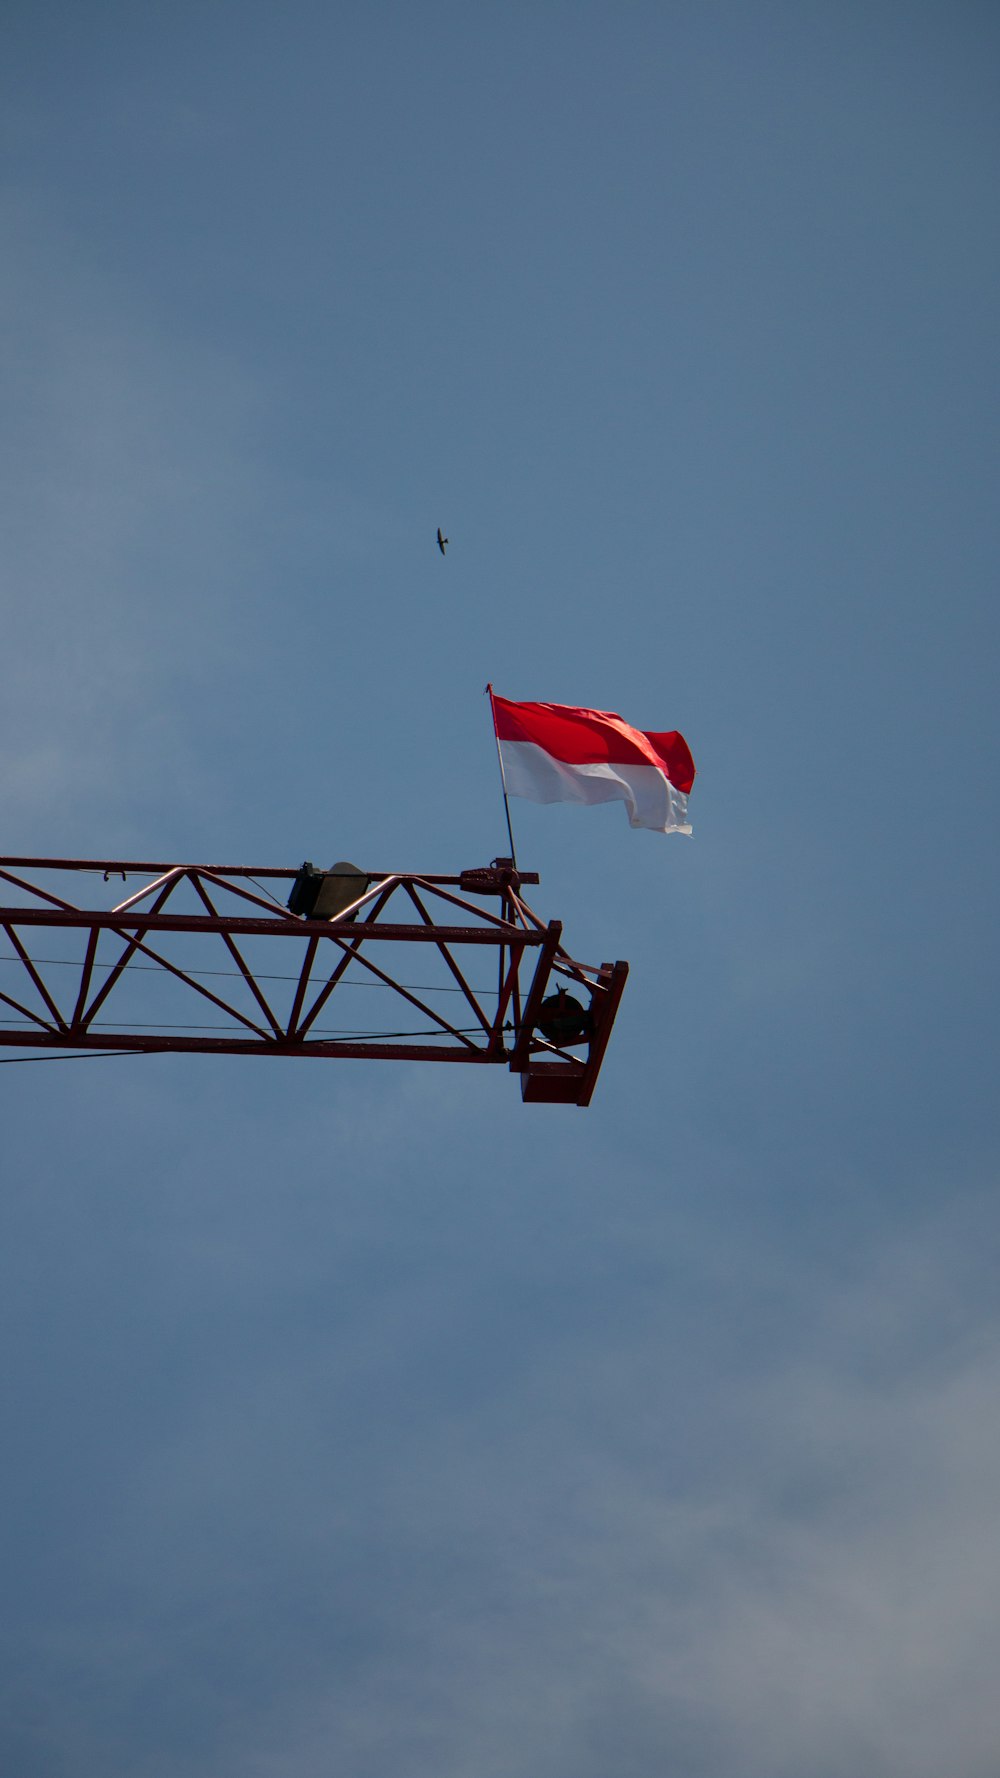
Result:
[
  {"x": 415, "y": 1496},
  {"x": 127, "y": 470}
]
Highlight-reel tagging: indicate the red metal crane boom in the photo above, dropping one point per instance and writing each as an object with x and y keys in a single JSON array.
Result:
[{"x": 198, "y": 939}]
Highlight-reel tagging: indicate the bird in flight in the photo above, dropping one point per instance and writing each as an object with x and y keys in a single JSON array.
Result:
[{"x": 441, "y": 541}]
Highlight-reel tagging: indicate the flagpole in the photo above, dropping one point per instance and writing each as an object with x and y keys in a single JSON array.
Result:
[{"x": 503, "y": 779}]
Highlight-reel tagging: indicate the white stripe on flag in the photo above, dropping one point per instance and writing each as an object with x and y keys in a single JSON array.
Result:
[{"x": 651, "y": 799}]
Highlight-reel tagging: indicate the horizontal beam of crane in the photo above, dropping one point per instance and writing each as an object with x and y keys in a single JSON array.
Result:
[{"x": 147, "y": 970}]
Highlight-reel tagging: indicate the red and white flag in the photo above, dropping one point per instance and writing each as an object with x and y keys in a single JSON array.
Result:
[{"x": 554, "y": 753}]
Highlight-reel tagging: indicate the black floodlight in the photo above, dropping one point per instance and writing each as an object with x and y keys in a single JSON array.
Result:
[
  {"x": 563, "y": 1021},
  {"x": 342, "y": 884},
  {"x": 324, "y": 894}
]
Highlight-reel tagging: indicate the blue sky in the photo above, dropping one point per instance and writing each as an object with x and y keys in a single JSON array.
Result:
[{"x": 357, "y": 1418}]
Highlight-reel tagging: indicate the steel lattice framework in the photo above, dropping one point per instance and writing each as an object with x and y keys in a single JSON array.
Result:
[{"x": 209, "y": 939}]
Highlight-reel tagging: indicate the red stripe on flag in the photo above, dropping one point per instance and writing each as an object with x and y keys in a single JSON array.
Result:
[{"x": 592, "y": 737}]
